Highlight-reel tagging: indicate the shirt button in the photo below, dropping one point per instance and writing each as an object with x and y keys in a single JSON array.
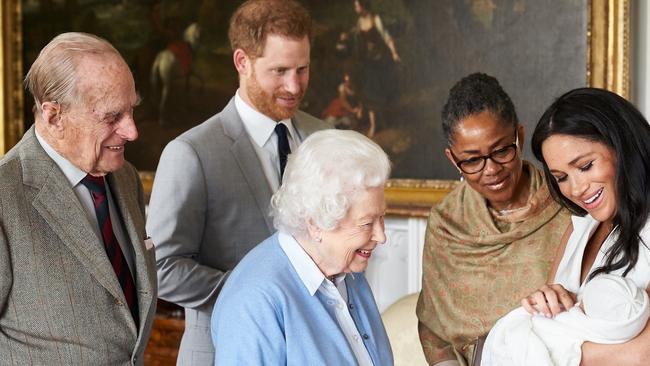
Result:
[
  {"x": 351, "y": 306},
  {"x": 365, "y": 336},
  {"x": 339, "y": 306},
  {"x": 356, "y": 338}
]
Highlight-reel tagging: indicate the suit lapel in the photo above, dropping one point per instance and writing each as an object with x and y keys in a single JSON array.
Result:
[
  {"x": 305, "y": 125},
  {"x": 57, "y": 203},
  {"x": 298, "y": 126},
  {"x": 134, "y": 225},
  {"x": 246, "y": 157}
]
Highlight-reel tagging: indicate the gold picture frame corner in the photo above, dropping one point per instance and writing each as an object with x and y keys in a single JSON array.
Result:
[{"x": 415, "y": 197}]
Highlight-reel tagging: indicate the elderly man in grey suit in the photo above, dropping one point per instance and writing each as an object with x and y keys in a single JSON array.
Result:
[
  {"x": 77, "y": 278},
  {"x": 211, "y": 195}
]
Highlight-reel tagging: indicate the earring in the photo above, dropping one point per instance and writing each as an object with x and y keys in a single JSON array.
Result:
[{"x": 319, "y": 239}]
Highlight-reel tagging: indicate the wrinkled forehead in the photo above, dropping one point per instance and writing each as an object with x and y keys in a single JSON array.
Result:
[
  {"x": 93, "y": 61},
  {"x": 103, "y": 76}
]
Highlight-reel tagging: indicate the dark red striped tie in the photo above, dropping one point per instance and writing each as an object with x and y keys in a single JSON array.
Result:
[{"x": 97, "y": 190}]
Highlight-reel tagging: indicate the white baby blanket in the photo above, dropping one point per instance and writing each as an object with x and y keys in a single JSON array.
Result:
[{"x": 615, "y": 311}]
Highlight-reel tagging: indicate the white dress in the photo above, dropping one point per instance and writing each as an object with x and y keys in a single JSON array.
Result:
[
  {"x": 568, "y": 272},
  {"x": 521, "y": 339},
  {"x": 615, "y": 311}
]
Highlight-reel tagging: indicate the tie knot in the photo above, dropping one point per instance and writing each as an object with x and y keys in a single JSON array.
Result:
[
  {"x": 94, "y": 184},
  {"x": 281, "y": 129}
]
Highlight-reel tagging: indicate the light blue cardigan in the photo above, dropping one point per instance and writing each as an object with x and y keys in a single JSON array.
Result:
[{"x": 264, "y": 315}]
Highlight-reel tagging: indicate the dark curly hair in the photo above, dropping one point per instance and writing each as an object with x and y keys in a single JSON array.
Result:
[
  {"x": 472, "y": 95},
  {"x": 602, "y": 116}
]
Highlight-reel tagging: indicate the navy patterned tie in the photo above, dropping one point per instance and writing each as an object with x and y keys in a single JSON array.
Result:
[
  {"x": 97, "y": 190},
  {"x": 283, "y": 146}
]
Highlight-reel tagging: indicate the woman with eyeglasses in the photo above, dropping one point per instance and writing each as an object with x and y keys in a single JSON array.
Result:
[{"x": 492, "y": 240}]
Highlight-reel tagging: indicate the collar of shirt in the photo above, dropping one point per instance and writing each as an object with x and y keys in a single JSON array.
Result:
[
  {"x": 71, "y": 172},
  {"x": 259, "y": 126},
  {"x": 309, "y": 273}
]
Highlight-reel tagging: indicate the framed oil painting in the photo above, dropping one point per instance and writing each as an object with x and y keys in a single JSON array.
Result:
[{"x": 381, "y": 67}]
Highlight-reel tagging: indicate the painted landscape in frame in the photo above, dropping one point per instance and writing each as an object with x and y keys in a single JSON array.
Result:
[{"x": 180, "y": 58}]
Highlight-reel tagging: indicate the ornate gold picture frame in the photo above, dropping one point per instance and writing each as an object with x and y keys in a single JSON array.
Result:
[{"x": 606, "y": 66}]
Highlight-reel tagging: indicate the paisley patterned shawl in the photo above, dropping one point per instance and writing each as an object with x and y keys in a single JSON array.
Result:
[{"x": 473, "y": 273}]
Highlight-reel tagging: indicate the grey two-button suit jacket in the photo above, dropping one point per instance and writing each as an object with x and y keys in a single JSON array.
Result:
[
  {"x": 60, "y": 300},
  {"x": 209, "y": 207}
]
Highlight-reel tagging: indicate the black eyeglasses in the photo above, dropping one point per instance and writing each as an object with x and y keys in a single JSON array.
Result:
[{"x": 502, "y": 155}]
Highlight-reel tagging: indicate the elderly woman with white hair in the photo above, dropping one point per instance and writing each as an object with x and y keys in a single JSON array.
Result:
[{"x": 300, "y": 297}]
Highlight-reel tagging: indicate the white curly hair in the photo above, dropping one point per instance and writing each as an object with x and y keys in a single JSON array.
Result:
[{"x": 322, "y": 178}]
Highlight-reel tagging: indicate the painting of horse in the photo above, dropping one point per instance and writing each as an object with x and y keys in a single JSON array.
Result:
[{"x": 381, "y": 67}]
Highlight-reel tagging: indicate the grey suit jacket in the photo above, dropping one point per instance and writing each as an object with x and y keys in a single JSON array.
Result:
[
  {"x": 209, "y": 207},
  {"x": 60, "y": 301}
]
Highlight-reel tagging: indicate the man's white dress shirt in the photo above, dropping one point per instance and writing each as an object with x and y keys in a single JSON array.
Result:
[{"x": 261, "y": 130}]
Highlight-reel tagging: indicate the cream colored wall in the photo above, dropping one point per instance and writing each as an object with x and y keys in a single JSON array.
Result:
[{"x": 395, "y": 270}]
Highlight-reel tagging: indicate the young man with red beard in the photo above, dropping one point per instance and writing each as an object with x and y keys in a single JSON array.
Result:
[{"x": 211, "y": 196}]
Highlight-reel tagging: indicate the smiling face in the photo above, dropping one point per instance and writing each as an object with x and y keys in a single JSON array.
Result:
[
  {"x": 275, "y": 82},
  {"x": 96, "y": 128},
  {"x": 585, "y": 172},
  {"x": 349, "y": 247},
  {"x": 479, "y": 135}
]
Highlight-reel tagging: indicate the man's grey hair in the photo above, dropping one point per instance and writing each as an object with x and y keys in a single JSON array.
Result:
[
  {"x": 323, "y": 177},
  {"x": 53, "y": 75}
]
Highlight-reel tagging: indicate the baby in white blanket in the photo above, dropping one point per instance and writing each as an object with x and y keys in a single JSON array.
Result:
[{"x": 610, "y": 309}]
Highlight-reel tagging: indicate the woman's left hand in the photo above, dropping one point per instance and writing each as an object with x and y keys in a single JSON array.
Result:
[{"x": 549, "y": 300}]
